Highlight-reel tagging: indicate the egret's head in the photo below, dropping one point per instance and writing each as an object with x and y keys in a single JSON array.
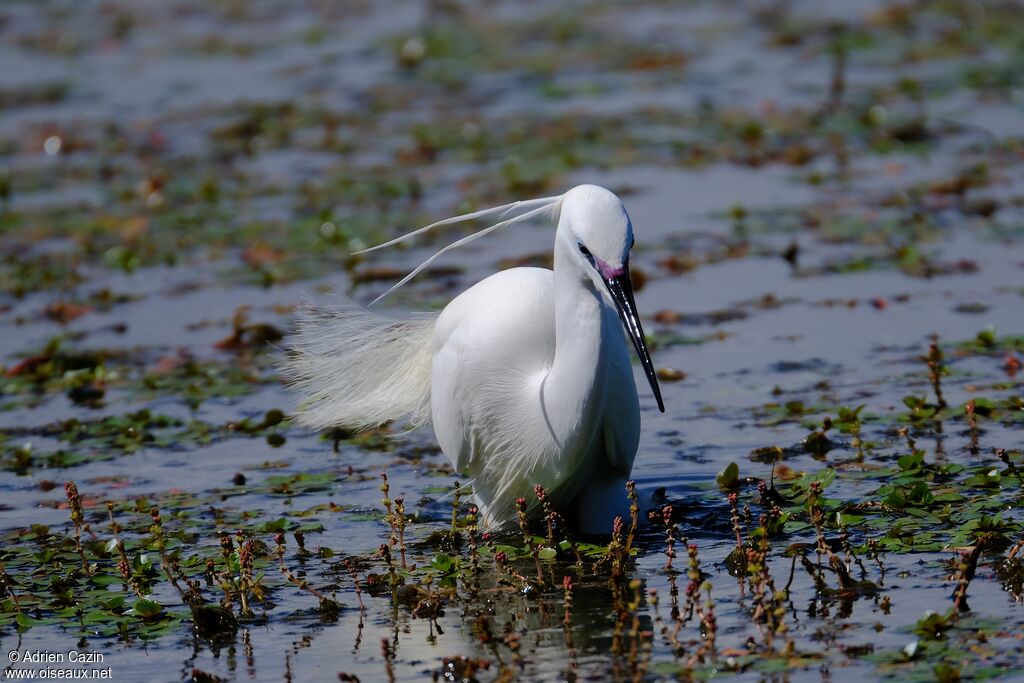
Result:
[
  {"x": 600, "y": 236},
  {"x": 598, "y": 221}
]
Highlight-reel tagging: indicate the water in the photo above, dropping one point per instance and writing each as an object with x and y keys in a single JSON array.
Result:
[{"x": 228, "y": 155}]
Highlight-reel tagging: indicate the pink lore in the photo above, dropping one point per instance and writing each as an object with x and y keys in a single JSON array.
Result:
[{"x": 607, "y": 272}]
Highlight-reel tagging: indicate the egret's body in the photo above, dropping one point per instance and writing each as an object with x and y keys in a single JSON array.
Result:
[
  {"x": 531, "y": 375},
  {"x": 528, "y": 372}
]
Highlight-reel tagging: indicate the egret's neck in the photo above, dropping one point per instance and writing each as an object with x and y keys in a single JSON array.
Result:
[{"x": 574, "y": 387}]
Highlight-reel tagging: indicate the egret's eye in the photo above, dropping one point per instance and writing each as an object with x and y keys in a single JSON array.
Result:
[{"x": 583, "y": 249}]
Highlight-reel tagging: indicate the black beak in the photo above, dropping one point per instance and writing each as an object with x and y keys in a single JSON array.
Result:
[{"x": 621, "y": 290}]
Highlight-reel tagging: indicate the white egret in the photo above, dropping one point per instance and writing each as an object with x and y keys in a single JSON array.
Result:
[{"x": 526, "y": 376}]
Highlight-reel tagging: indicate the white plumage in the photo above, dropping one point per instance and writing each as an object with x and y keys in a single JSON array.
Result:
[
  {"x": 526, "y": 376},
  {"x": 357, "y": 369}
]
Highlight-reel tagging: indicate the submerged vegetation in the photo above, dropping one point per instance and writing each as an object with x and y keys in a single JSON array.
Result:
[{"x": 827, "y": 204}]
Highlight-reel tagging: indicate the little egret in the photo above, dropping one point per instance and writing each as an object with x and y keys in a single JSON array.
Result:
[{"x": 525, "y": 376}]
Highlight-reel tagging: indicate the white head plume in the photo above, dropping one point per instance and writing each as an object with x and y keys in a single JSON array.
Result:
[{"x": 530, "y": 208}]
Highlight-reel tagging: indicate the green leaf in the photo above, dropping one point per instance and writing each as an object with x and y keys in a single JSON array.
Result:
[
  {"x": 729, "y": 478},
  {"x": 795, "y": 407},
  {"x": 147, "y": 609},
  {"x": 934, "y": 625},
  {"x": 273, "y": 526},
  {"x": 824, "y": 477},
  {"x": 912, "y": 461},
  {"x": 446, "y": 564}
]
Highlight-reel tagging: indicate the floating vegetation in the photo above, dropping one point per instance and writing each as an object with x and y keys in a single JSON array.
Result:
[
  {"x": 86, "y": 376},
  {"x": 81, "y": 442},
  {"x": 124, "y": 569}
]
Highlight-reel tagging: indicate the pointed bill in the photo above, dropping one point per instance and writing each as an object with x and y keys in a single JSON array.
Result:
[{"x": 621, "y": 290}]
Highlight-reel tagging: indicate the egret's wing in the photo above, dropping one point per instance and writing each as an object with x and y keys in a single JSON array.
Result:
[
  {"x": 491, "y": 346},
  {"x": 448, "y": 418}
]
